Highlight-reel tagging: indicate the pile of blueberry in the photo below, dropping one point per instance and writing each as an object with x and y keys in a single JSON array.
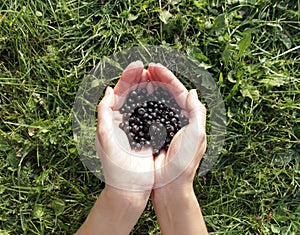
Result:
[{"x": 151, "y": 120}]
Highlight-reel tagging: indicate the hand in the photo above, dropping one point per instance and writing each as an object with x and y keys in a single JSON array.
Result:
[
  {"x": 128, "y": 174},
  {"x": 173, "y": 197},
  {"x": 118, "y": 207},
  {"x": 178, "y": 165},
  {"x": 186, "y": 148},
  {"x": 123, "y": 168}
]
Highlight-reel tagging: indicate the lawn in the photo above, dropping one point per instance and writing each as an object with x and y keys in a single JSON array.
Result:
[{"x": 252, "y": 50}]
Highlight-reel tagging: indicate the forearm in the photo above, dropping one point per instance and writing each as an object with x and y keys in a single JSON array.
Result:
[
  {"x": 178, "y": 212},
  {"x": 115, "y": 212}
]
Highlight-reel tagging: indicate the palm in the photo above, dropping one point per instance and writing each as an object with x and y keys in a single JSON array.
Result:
[{"x": 123, "y": 167}]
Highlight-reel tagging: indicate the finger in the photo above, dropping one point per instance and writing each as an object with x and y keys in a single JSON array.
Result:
[
  {"x": 145, "y": 82},
  {"x": 144, "y": 77},
  {"x": 105, "y": 120},
  {"x": 130, "y": 76},
  {"x": 161, "y": 74},
  {"x": 196, "y": 111}
]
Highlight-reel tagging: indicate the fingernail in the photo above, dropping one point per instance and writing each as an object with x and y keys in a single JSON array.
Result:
[
  {"x": 108, "y": 91},
  {"x": 136, "y": 63},
  {"x": 160, "y": 65},
  {"x": 151, "y": 64}
]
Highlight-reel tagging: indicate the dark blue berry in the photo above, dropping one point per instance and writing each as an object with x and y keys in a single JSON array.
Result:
[
  {"x": 151, "y": 120},
  {"x": 141, "y": 111}
]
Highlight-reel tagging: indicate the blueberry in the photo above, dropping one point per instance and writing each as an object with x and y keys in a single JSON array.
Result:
[
  {"x": 169, "y": 128},
  {"x": 150, "y": 104},
  {"x": 127, "y": 108},
  {"x": 126, "y": 116},
  {"x": 141, "y": 111},
  {"x": 122, "y": 125},
  {"x": 167, "y": 146},
  {"x": 122, "y": 110},
  {"x": 132, "y": 106},
  {"x": 153, "y": 114},
  {"x": 176, "y": 110},
  {"x": 160, "y": 126},
  {"x": 130, "y": 101},
  {"x": 133, "y": 94},
  {"x": 146, "y": 115},
  {"x": 159, "y": 90},
  {"x": 138, "y": 146},
  {"x": 141, "y": 134},
  {"x": 133, "y": 144},
  {"x": 151, "y": 120},
  {"x": 156, "y": 152},
  {"x": 179, "y": 124},
  {"x": 127, "y": 129},
  {"x": 131, "y": 135},
  {"x": 153, "y": 129},
  {"x": 174, "y": 120},
  {"x": 147, "y": 143},
  {"x": 185, "y": 122},
  {"x": 135, "y": 128},
  {"x": 144, "y": 105}
]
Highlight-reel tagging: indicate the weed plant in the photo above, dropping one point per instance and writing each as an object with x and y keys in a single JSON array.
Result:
[{"x": 251, "y": 47}]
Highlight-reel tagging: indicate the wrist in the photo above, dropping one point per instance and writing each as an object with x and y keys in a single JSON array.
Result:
[
  {"x": 172, "y": 192},
  {"x": 115, "y": 212},
  {"x": 135, "y": 199},
  {"x": 178, "y": 210}
]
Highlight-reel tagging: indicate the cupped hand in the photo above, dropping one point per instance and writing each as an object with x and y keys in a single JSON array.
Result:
[
  {"x": 178, "y": 165},
  {"x": 123, "y": 167},
  {"x": 128, "y": 169}
]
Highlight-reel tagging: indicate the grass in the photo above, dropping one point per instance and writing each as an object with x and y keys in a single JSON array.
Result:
[{"x": 250, "y": 47}]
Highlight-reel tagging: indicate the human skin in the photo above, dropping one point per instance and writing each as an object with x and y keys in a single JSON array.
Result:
[
  {"x": 123, "y": 167},
  {"x": 169, "y": 176},
  {"x": 129, "y": 177},
  {"x": 174, "y": 200}
]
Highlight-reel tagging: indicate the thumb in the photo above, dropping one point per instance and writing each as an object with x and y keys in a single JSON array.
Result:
[{"x": 105, "y": 117}]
